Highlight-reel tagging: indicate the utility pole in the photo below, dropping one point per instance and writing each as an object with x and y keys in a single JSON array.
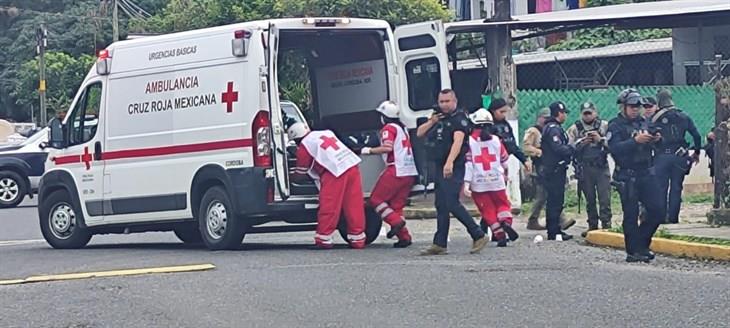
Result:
[
  {"x": 42, "y": 38},
  {"x": 498, "y": 43},
  {"x": 115, "y": 21}
]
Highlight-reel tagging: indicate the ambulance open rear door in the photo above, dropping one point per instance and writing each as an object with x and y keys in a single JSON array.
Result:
[{"x": 278, "y": 130}]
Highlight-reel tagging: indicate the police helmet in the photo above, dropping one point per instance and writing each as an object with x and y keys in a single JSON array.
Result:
[{"x": 621, "y": 99}]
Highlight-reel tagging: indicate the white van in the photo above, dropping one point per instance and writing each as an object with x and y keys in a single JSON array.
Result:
[{"x": 185, "y": 131}]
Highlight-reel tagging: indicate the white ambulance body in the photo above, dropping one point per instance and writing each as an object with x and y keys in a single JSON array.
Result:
[{"x": 185, "y": 131}]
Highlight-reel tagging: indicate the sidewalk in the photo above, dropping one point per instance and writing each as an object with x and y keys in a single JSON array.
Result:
[{"x": 693, "y": 222}]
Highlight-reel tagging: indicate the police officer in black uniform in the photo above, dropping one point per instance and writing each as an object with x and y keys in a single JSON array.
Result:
[
  {"x": 556, "y": 156},
  {"x": 501, "y": 128},
  {"x": 672, "y": 157},
  {"x": 446, "y": 134},
  {"x": 630, "y": 141}
]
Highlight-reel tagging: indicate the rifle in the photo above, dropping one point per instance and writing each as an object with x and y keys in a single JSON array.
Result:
[{"x": 579, "y": 178}]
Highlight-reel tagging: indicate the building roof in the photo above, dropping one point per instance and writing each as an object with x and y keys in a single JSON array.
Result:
[
  {"x": 616, "y": 50},
  {"x": 672, "y": 13}
]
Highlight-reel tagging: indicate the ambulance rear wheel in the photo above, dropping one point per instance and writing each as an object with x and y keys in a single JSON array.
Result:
[
  {"x": 219, "y": 225},
  {"x": 188, "y": 234},
  {"x": 373, "y": 223},
  {"x": 60, "y": 222}
]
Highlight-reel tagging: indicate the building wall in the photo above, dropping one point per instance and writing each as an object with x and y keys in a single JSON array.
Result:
[
  {"x": 485, "y": 8},
  {"x": 687, "y": 48}
]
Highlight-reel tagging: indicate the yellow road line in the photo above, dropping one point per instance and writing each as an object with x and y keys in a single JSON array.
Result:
[{"x": 112, "y": 273}]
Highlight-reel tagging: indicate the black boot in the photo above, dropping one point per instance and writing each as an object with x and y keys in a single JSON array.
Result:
[
  {"x": 636, "y": 257},
  {"x": 591, "y": 227},
  {"x": 403, "y": 243},
  {"x": 649, "y": 254},
  {"x": 510, "y": 231},
  {"x": 395, "y": 229}
]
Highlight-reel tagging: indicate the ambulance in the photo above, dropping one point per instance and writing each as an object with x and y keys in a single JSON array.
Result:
[{"x": 186, "y": 132}]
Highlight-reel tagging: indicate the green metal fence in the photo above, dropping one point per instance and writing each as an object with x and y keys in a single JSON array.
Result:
[{"x": 697, "y": 101}]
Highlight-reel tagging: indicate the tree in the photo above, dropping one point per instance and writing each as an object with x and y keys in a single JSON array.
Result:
[
  {"x": 607, "y": 35},
  {"x": 64, "y": 74}
]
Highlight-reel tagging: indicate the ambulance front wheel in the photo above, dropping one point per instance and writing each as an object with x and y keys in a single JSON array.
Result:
[
  {"x": 60, "y": 222},
  {"x": 373, "y": 222},
  {"x": 219, "y": 226}
]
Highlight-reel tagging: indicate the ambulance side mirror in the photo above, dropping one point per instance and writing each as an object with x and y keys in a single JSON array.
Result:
[{"x": 56, "y": 137}]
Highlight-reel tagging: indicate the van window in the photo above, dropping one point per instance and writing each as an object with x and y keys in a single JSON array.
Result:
[
  {"x": 84, "y": 118},
  {"x": 424, "y": 83},
  {"x": 416, "y": 42}
]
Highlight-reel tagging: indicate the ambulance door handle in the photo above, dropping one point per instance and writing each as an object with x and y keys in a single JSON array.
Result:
[{"x": 97, "y": 151}]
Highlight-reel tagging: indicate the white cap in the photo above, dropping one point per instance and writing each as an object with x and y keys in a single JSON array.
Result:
[
  {"x": 297, "y": 130},
  {"x": 481, "y": 116},
  {"x": 388, "y": 109}
]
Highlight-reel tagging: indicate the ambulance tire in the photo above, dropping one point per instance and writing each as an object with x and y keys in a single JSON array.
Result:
[
  {"x": 373, "y": 223},
  {"x": 12, "y": 189},
  {"x": 220, "y": 227},
  {"x": 59, "y": 221},
  {"x": 188, "y": 234}
]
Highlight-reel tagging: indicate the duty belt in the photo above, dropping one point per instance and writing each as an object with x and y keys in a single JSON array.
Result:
[
  {"x": 634, "y": 173},
  {"x": 681, "y": 151}
]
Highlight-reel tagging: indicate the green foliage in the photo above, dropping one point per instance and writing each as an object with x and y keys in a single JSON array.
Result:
[
  {"x": 664, "y": 233},
  {"x": 605, "y": 36},
  {"x": 64, "y": 74}
]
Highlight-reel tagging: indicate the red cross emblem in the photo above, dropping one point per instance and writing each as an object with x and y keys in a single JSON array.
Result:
[
  {"x": 329, "y": 142},
  {"x": 229, "y": 97},
  {"x": 86, "y": 158},
  {"x": 406, "y": 143},
  {"x": 485, "y": 159}
]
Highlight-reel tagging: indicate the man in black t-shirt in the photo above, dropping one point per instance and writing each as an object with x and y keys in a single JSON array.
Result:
[{"x": 446, "y": 133}]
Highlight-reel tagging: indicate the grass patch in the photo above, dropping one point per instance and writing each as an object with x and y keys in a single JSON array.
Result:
[
  {"x": 571, "y": 201},
  {"x": 664, "y": 233}
]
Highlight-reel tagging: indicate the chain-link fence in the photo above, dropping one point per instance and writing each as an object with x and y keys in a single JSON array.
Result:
[{"x": 697, "y": 101}]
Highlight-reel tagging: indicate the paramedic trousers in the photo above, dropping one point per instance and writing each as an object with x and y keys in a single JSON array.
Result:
[
  {"x": 340, "y": 196},
  {"x": 447, "y": 203},
  {"x": 495, "y": 208},
  {"x": 390, "y": 196}
]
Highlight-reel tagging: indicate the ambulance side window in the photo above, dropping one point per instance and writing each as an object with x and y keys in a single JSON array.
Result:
[
  {"x": 84, "y": 119},
  {"x": 424, "y": 83}
]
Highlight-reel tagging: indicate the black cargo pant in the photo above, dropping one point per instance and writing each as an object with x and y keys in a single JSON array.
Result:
[
  {"x": 635, "y": 187},
  {"x": 554, "y": 183},
  {"x": 447, "y": 203}
]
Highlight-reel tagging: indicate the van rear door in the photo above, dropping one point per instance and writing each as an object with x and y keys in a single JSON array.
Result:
[
  {"x": 423, "y": 68},
  {"x": 276, "y": 116}
]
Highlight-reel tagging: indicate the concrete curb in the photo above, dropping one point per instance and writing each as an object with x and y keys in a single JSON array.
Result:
[
  {"x": 664, "y": 246},
  {"x": 425, "y": 214}
]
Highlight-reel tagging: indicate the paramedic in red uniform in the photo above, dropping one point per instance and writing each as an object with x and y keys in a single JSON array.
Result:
[
  {"x": 334, "y": 169},
  {"x": 393, "y": 187},
  {"x": 485, "y": 177}
]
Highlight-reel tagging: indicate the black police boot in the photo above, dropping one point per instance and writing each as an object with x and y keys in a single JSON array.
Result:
[
  {"x": 510, "y": 231},
  {"x": 402, "y": 243},
  {"x": 395, "y": 229},
  {"x": 591, "y": 227},
  {"x": 649, "y": 254},
  {"x": 637, "y": 257},
  {"x": 564, "y": 236}
]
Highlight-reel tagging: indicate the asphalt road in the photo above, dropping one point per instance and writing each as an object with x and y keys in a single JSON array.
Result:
[{"x": 278, "y": 280}]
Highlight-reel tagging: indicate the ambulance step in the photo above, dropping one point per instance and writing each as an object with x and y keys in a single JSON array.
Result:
[{"x": 286, "y": 228}]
